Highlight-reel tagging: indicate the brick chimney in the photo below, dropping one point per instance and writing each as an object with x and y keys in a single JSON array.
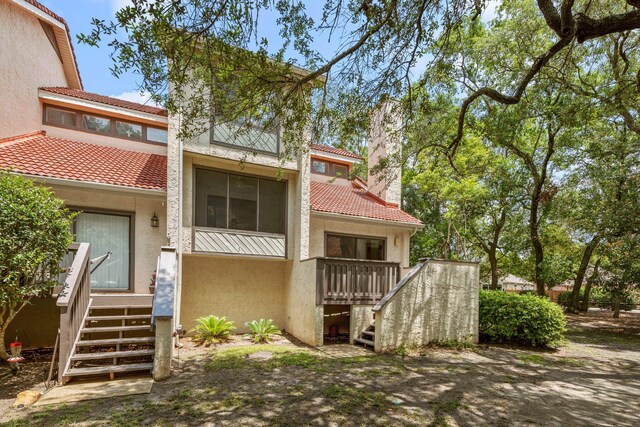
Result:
[{"x": 385, "y": 152}]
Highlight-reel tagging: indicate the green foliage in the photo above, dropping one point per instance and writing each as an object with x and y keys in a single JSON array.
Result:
[
  {"x": 35, "y": 233},
  {"x": 520, "y": 319},
  {"x": 213, "y": 329},
  {"x": 261, "y": 330},
  {"x": 601, "y": 298}
]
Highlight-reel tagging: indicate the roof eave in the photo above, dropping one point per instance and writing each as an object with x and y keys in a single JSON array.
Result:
[
  {"x": 92, "y": 185},
  {"x": 355, "y": 218}
]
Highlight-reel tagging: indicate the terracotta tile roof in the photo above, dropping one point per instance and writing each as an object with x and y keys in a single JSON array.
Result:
[
  {"x": 333, "y": 150},
  {"x": 61, "y": 19},
  {"x": 102, "y": 99},
  {"x": 353, "y": 201},
  {"x": 44, "y": 156}
]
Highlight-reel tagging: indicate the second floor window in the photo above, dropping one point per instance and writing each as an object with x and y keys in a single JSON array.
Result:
[
  {"x": 239, "y": 202},
  {"x": 355, "y": 247}
]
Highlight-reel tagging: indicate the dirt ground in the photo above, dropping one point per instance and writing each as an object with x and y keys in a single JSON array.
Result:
[{"x": 593, "y": 380}]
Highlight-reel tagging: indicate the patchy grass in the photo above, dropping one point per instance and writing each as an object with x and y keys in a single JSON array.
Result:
[
  {"x": 534, "y": 359},
  {"x": 281, "y": 356},
  {"x": 350, "y": 400}
]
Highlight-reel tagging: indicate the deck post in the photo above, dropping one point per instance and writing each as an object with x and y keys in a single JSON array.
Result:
[{"x": 164, "y": 349}]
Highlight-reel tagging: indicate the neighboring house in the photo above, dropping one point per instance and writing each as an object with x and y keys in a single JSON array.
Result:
[
  {"x": 511, "y": 283},
  {"x": 294, "y": 241}
]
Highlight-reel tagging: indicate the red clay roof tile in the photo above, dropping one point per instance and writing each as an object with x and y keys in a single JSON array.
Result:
[
  {"x": 333, "y": 150},
  {"x": 44, "y": 156},
  {"x": 102, "y": 99},
  {"x": 352, "y": 201}
]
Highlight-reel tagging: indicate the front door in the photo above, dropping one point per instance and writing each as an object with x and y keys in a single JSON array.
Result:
[{"x": 107, "y": 233}]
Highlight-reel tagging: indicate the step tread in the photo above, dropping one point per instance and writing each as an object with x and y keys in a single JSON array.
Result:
[
  {"x": 74, "y": 372},
  {"x": 118, "y": 307},
  {"x": 112, "y": 354},
  {"x": 114, "y": 341},
  {"x": 120, "y": 317},
  {"x": 114, "y": 329},
  {"x": 370, "y": 333},
  {"x": 364, "y": 341}
]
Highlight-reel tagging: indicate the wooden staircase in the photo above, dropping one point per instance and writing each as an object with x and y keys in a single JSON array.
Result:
[
  {"x": 113, "y": 339},
  {"x": 367, "y": 338}
]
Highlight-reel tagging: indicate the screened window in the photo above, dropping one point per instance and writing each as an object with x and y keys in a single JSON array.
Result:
[
  {"x": 157, "y": 135},
  {"x": 129, "y": 130},
  {"x": 239, "y": 202},
  {"x": 353, "y": 247},
  {"x": 319, "y": 166},
  {"x": 96, "y": 124},
  {"x": 329, "y": 168},
  {"x": 60, "y": 117},
  {"x": 107, "y": 233}
]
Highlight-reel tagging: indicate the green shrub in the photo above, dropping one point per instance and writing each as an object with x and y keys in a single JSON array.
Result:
[
  {"x": 600, "y": 298},
  {"x": 520, "y": 319},
  {"x": 261, "y": 330},
  {"x": 213, "y": 329}
]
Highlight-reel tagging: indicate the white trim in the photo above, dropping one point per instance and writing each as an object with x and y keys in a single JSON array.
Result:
[
  {"x": 94, "y": 185},
  {"x": 333, "y": 156},
  {"x": 343, "y": 217},
  {"x": 40, "y": 14},
  {"x": 83, "y": 103}
]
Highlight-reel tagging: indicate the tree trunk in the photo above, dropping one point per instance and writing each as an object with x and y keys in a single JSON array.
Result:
[
  {"x": 494, "y": 270},
  {"x": 538, "y": 250},
  {"x": 574, "y": 301},
  {"x": 616, "y": 307},
  {"x": 3, "y": 351},
  {"x": 587, "y": 287}
]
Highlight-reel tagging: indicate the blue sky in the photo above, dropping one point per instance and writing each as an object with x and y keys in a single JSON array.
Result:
[{"x": 94, "y": 63}]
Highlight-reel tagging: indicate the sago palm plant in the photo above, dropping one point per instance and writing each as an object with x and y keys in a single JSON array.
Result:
[
  {"x": 213, "y": 329},
  {"x": 261, "y": 330}
]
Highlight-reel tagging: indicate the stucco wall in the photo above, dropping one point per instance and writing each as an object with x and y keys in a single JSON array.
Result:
[
  {"x": 147, "y": 240},
  {"x": 396, "y": 251},
  {"x": 439, "y": 303},
  {"x": 303, "y": 319},
  {"x": 242, "y": 289},
  {"x": 29, "y": 61},
  {"x": 361, "y": 319}
]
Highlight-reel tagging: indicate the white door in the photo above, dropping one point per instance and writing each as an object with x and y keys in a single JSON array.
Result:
[{"x": 107, "y": 233}]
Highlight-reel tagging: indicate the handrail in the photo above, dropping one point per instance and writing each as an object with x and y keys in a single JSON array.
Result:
[
  {"x": 406, "y": 279},
  {"x": 354, "y": 281},
  {"x": 164, "y": 293},
  {"x": 74, "y": 301}
]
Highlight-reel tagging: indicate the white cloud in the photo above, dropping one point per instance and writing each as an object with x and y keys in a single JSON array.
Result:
[
  {"x": 490, "y": 10},
  {"x": 136, "y": 96}
]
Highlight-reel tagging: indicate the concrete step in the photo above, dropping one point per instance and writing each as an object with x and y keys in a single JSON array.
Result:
[
  {"x": 108, "y": 369},
  {"x": 364, "y": 342},
  {"x": 115, "y": 329},
  {"x": 114, "y": 341},
  {"x": 120, "y": 317},
  {"x": 369, "y": 333},
  {"x": 112, "y": 354}
]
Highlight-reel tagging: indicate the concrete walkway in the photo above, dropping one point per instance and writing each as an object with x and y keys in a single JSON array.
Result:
[
  {"x": 340, "y": 351},
  {"x": 96, "y": 390}
]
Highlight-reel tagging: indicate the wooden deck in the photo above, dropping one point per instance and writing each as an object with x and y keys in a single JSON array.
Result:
[{"x": 346, "y": 281}]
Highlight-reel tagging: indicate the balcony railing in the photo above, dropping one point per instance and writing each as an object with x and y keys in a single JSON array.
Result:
[{"x": 346, "y": 281}]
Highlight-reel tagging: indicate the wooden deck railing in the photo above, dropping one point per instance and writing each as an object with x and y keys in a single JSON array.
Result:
[
  {"x": 345, "y": 281},
  {"x": 73, "y": 300}
]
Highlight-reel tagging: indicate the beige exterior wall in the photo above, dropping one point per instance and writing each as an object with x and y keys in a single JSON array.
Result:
[
  {"x": 361, "y": 319},
  {"x": 36, "y": 324},
  {"x": 439, "y": 303},
  {"x": 397, "y": 237},
  {"x": 303, "y": 319},
  {"x": 29, "y": 61},
  {"x": 242, "y": 289},
  {"x": 147, "y": 240},
  {"x": 385, "y": 144}
]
